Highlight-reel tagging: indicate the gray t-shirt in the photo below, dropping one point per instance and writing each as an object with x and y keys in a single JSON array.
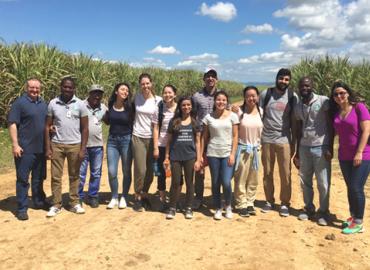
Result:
[
  {"x": 203, "y": 102},
  {"x": 277, "y": 118},
  {"x": 66, "y": 119},
  {"x": 95, "y": 124},
  {"x": 220, "y": 134},
  {"x": 182, "y": 147},
  {"x": 314, "y": 117}
]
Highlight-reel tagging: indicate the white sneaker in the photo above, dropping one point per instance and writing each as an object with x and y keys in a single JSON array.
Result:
[
  {"x": 113, "y": 202},
  {"x": 122, "y": 203},
  {"x": 78, "y": 209},
  {"x": 218, "y": 214},
  {"x": 229, "y": 212},
  {"x": 53, "y": 211}
]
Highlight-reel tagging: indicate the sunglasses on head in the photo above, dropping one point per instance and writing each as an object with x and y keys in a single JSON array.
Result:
[{"x": 339, "y": 94}]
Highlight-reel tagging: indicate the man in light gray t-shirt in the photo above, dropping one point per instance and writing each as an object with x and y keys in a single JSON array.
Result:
[
  {"x": 278, "y": 103},
  {"x": 68, "y": 115},
  {"x": 314, "y": 149},
  {"x": 94, "y": 150}
]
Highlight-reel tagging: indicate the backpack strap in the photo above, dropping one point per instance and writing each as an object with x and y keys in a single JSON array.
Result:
[
  {"x": 160, "y": 114},
  {"x": 266, "y": 100},
  {"x": 269, "y": 95}
]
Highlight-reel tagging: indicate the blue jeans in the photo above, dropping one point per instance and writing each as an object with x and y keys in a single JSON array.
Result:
[
  {"x": 119, "y": 147},
  {"x": 312, "y": 161},
  {"x": 94, "y": 156},
  {"x": 221, "y": 174},
  {"x": 355, "y": 178},
  {"x": 36, "y": 165}
]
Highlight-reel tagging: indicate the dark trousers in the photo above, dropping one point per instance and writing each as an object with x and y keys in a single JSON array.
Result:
[
  {"x": 36, "y": 165},
  {"x": 176, "y": 171},
  {"x": 355, "y": 178},
  {"x": 161, "y": 185},
  {"x": 199, "y": 185}
]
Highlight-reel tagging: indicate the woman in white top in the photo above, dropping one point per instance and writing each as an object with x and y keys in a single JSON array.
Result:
[
  {"x": 220, "y": 135},
  {"x": 161, "y": 118},
  {"x": 145, "y": 104},
  {"x": 247, "y": 156}
]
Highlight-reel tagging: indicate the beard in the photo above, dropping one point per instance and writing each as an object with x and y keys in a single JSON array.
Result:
[
  {"x": 306, "y": 96},
  {"x": 282, "y": 86}
]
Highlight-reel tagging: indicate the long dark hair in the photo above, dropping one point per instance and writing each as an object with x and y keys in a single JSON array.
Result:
[
  {"x": 127, "y": 103},
  {"x": 353, "y": 97},
  {"x": 244, "y": 106},
  {"x": 177, "y": 118},
  {"x": 221, "y": 92}
]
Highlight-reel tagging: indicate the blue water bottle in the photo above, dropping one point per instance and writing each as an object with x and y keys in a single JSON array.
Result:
[{"x": 156, "y": 170}]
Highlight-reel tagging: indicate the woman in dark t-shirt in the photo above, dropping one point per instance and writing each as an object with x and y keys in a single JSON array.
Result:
[
  {"x": 120, "y": 119},
  {"x": 183, "y": 150}
]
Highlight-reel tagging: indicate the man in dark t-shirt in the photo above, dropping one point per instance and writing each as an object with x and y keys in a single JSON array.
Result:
[{"x": 26, "y": 122}]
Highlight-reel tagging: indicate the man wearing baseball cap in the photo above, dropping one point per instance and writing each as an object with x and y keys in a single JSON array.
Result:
[
  {"x": 94, "y": 149},
  {"x": 203, "y": 101}
]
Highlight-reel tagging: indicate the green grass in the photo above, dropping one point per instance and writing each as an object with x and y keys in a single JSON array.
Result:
[{"x": 6, "y": 156}]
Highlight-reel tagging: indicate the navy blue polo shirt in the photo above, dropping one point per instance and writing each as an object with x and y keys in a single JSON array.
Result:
[{"x": 29, "y": 116}]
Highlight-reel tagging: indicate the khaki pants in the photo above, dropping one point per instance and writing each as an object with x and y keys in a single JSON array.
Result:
[
  {"x": 60, "y": 152},
  {"x": 142, "y": 150},
  {"x": 281, "y": 152},
  {"x": 246, "y": 181}
]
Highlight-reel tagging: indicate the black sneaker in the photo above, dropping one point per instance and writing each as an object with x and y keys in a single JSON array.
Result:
[
  {"x": 146, "y": 203},
  {"x": 179, "y": 207},
  {"x": 188, "y": 213},
  {"x": 251, "y": 210},
  {"x": 267, "y": 207},
  {"x": 138, "y": 206},
  {"x": 22, "y": 216},
  {"x": 94, "y": 202},
  {"x": 171, "y": 213},
  {"x": 43, "y": 206},
  {"x": 244, "y": 212}
]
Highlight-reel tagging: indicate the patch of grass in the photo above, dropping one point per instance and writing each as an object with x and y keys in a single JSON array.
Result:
[{"x": 6, "y": 157}]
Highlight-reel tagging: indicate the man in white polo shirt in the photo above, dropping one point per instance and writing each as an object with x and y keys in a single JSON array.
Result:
[{"x": 68, "y": 115}]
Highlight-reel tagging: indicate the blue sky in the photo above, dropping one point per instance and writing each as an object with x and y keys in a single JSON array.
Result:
[{"x": 246, "y": 40}]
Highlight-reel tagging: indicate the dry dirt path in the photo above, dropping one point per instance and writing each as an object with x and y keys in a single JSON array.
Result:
[{"x": 112, "y": 239}]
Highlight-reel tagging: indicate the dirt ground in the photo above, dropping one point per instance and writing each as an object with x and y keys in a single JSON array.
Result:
[{"x": 112, "y": 239}]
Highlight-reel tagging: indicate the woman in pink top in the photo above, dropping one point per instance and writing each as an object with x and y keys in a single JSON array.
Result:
[
  {"x": 247, "y": 157},
  {"x": 351, "y": 123}
]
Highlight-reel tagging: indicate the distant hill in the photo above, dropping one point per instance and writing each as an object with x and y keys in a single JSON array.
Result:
[{"x": 260, "y": 83}]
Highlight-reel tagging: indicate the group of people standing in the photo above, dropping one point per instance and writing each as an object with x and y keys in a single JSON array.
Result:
[{"x": 185, "y": 135}]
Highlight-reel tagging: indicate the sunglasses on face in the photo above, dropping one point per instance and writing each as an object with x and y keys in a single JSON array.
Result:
[{"x": 343, "y": 93}]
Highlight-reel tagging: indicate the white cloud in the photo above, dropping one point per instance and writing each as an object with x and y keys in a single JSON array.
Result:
[
  {"x": 245, "y": 42},
  {"x": 328, "y": 25},
  {"x": 220, "y": 11},
  {"x": 258, "y": 29},
  {"x": 268, "y": 57},
  {"x": 188, "y": 63},
  {"x": 150, "y": 62},
  {"x": 164, "y": 50},
  {"x": 200, "y": 62},
  {"x": 204, "y": 57},
  {"x": 359, "y": 51}
]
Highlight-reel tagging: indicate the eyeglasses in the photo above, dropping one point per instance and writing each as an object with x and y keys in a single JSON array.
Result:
[{"x": 339, "y": 94}]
